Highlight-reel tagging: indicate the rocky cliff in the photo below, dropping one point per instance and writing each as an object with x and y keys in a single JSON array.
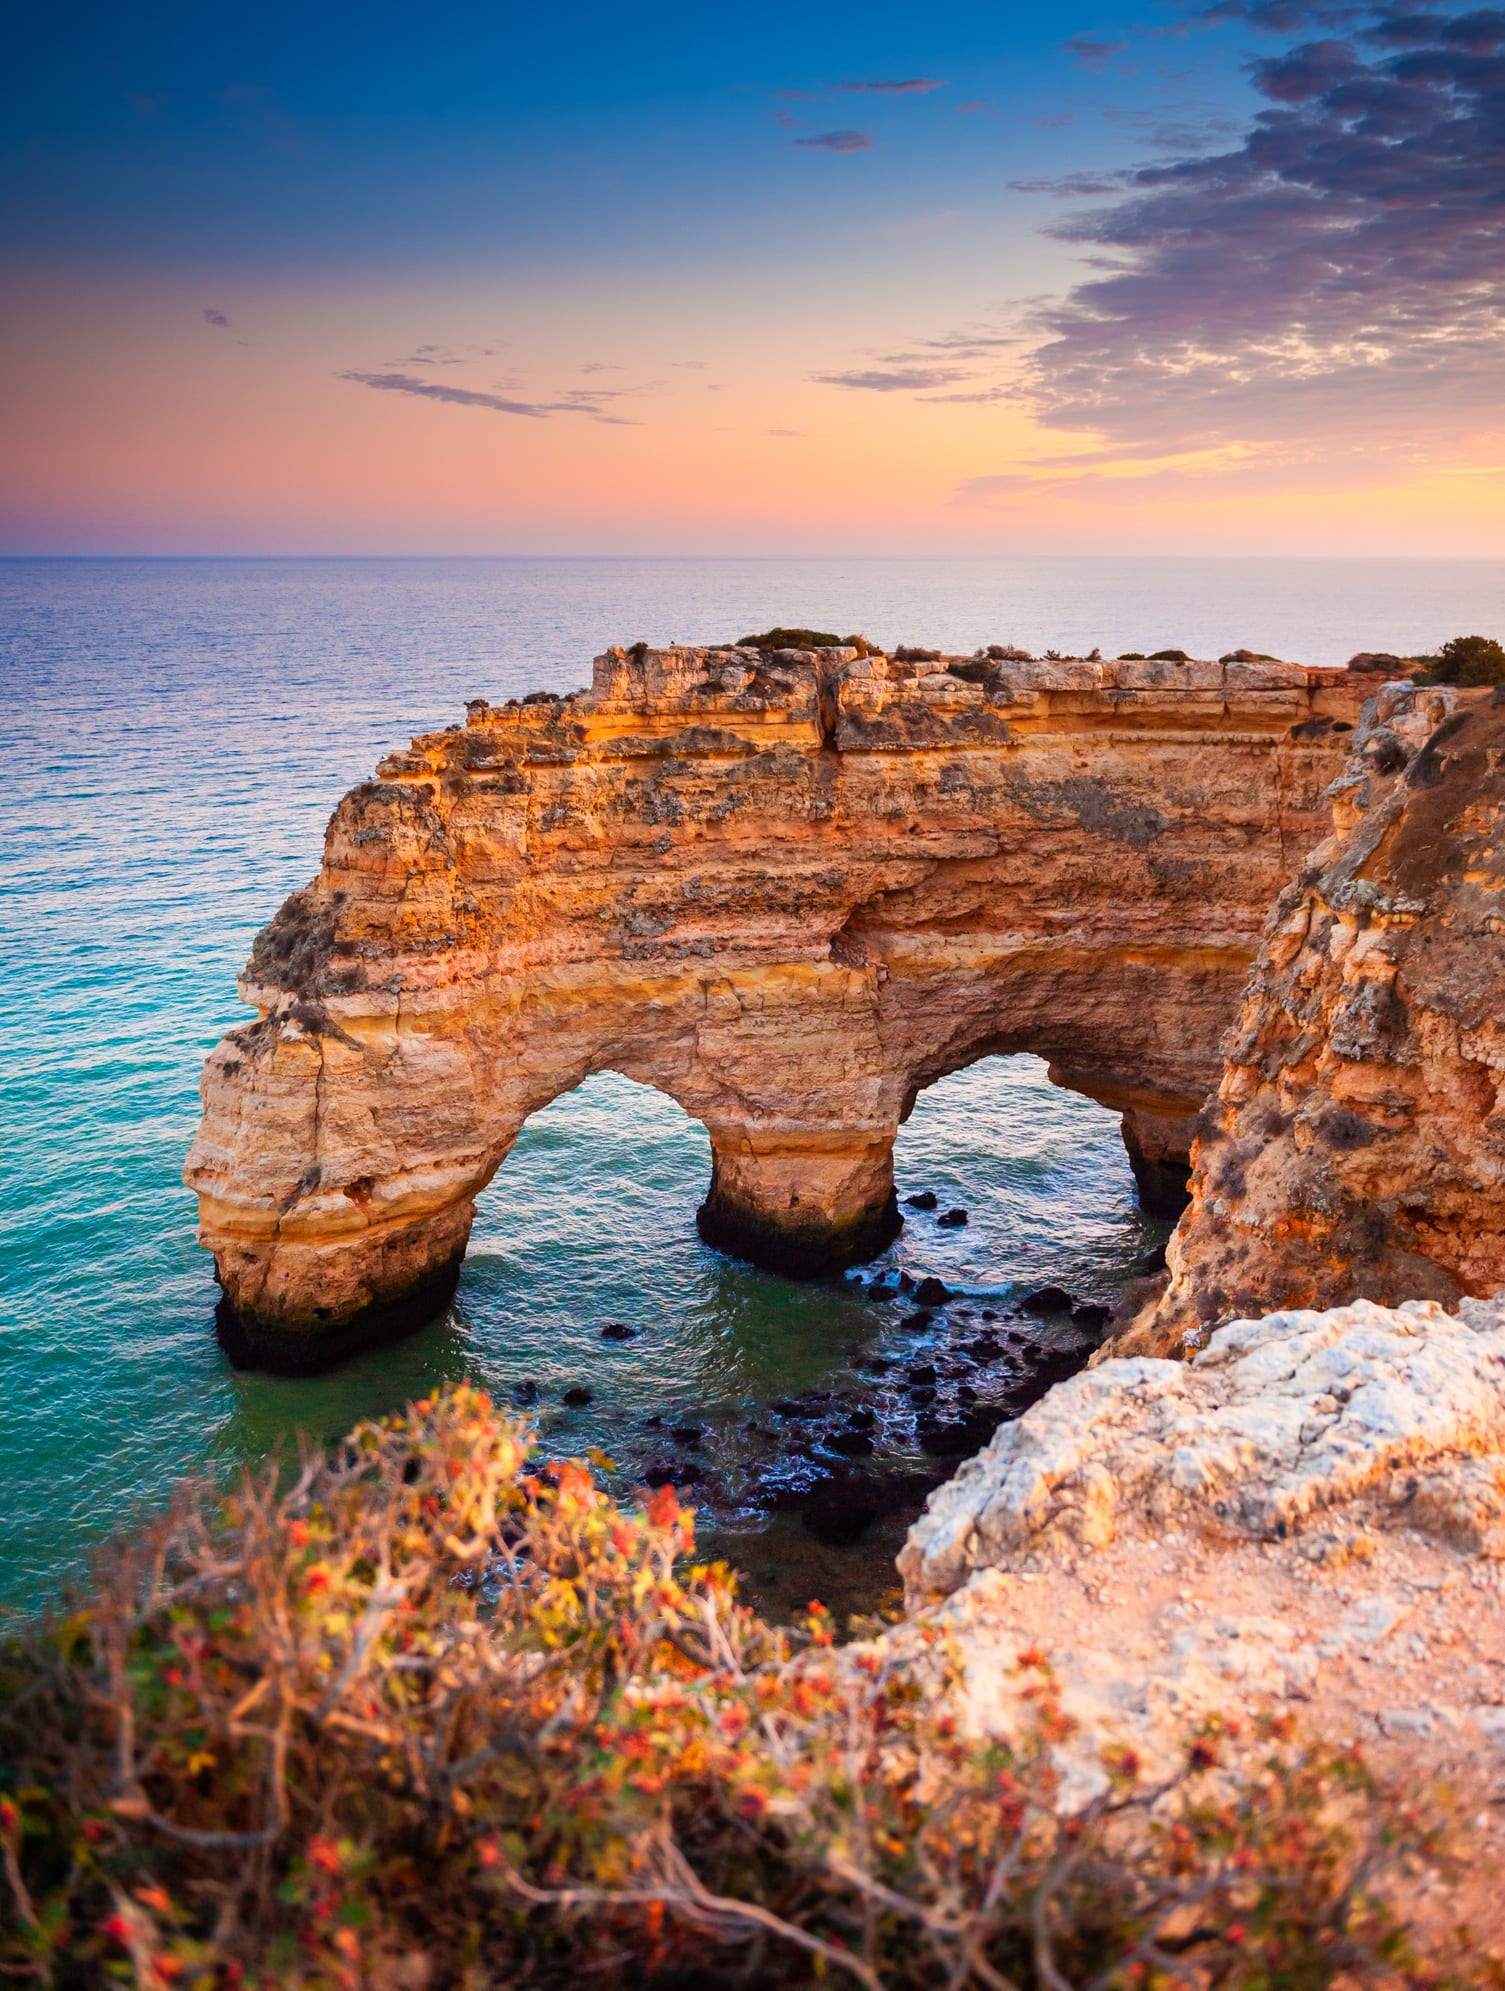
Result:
[
  {"x": 1308, "y": 1517},
  {"x": 1357, "y": 1141},
  {"x": 790, "y": 889}
]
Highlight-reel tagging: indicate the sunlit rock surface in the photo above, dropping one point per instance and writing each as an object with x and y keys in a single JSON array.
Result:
[
  {"x": 788, "y": 889},
  {"x": 1308, "y": 1518},
  {"x": 1357, "y": 1141},
  {"x": 1276, "y": 1420}
]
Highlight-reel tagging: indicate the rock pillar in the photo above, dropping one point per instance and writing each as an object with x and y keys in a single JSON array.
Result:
[
  {"x": 295, "y": 1307},
  {"x": 1159, "y": 1150},
  {"x": 800, "y": 1203}
]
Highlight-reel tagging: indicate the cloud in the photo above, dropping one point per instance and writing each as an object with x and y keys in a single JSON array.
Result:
[
  {"x": 444, "y": 355},
  {"x": 977, "y": 104},
  {"x": 838, "y": 141},
  {"x": 786, "y": 432},
  {"x": 576, "y": 401},
  {"x": 1092, "y": 52},
  {"x": 909, "y": 86},
  {"x": 217, "y": 319},
  {"x": 893, "y": 379},
  {"x": 1334, "y": 280}
]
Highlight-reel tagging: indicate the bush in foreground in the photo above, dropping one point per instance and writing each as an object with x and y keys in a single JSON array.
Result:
[{"x": 429, "y": 1718}]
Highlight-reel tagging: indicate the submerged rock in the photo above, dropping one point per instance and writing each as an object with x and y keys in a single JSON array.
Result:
[{"x": 1047, "y": 1300}]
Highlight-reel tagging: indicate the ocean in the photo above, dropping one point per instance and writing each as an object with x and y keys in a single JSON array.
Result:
[{"x": 176, "y": 734}]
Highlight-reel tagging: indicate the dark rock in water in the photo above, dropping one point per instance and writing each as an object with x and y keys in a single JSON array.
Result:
[
  {"x": 851, "y": 1444},
  {"x": 655, "y": 1419},
  {"x": 906, "y": 1282},
  {"x": 793, "y": 1407},
  {"x": 1047, "y": 1300},
  {"x": 862, "y": 1419},
  {"x": 686, "y": 1434},
  {"x": 682, "y": 1472},
  {"x": 968, "y": 1434},
  {"x": 926, "y": 1199},
  {"x": 878, "y": 1363},
  {"x": 525, "y": 1392},
  {"x": 576, "y": 1399},
  {"x": 931, "y": 1293},
  {"x": 952, "y": 1220},
  {"x": 990, "y": 1316},
  {"x": 922, "y": 1393},
  {"x": 1048, "y": 1366},
  {"x": 983, "y": 1348},
  {"x": 922, "y": 1372},
  {"x": 1153, "y": 1261},
  {"x": 618, "y": 1330},
  {"x": 840, "y": 1509},
  {"x": 917, "y": 1323},
  {"x": 1091, "y": 1313},
  {"x": 966, "y": 1394}
]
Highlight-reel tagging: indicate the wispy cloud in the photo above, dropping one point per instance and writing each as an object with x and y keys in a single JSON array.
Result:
[
  {"x": 1092, "y": 52},
  {"x": 217, "y": 319},
  {"x": 433, "y": 354},
  {"x": 893, "y": 379},
  {"x": 976, "y": 105},
  {"x": 838, "y": 141},
  {"x": 908, "y": 86},
  {"x": 576, "y": 401}
]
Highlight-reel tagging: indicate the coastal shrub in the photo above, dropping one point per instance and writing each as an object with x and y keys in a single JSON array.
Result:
[
  {"x": 1247, "y": 657},
  {"x": 1169, "y": 657},
  {"x": 1131, "y": 656},
  {"x": 806, "y": 639},
  {"x": 434, "y": 1715},
  {"x": 1465, "y": 660},
  {"x": 1009, "y": 653},
  {"x": 906, "y": 653}
]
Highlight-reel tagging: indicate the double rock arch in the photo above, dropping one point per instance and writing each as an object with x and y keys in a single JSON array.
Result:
[{"x": 789, "y": 890}]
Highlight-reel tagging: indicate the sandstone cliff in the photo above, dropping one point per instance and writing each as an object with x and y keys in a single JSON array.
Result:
[
  {"x": 790, "y": 889},
  {"x": 1357, "y": 1141}
]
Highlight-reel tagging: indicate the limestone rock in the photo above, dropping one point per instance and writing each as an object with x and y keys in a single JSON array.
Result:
[
  {"x": 1357, "y": 1141},
  {"x": 790, "y": 889},
  {"x": 1274, "y": 1421}
]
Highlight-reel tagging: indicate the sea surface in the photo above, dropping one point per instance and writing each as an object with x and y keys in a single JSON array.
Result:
[{"x": 175, "y": 736}]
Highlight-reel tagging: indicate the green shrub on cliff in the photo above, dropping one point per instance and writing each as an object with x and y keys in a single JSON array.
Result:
[
  {"x": 1465, "y": 660},
  {"x": 805, "y": 639},
  {"x": 432, "y": 1718}
]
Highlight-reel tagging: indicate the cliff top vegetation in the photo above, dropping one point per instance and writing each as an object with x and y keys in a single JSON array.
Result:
[{"x": 433, "y": 1714}]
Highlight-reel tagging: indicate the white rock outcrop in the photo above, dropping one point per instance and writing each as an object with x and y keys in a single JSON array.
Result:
[{"x": 1275, "y": 1420}]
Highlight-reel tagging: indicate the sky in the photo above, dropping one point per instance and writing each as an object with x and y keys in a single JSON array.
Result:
[{"x": 1196, "y": 276}]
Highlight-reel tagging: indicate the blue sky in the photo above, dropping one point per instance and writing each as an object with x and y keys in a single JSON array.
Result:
[{"x": 475, "y": 279}]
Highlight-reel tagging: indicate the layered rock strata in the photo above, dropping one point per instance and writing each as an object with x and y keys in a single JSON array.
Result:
[
  {"x": 790, "y": 890},
  {"x": 1357, "y": 1141}
]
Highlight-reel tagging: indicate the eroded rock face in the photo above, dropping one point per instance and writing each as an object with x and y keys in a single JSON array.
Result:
[
  {"x": 1357, "y": 1142},
  {"x": 1276, "y": 1420},
  {"x": 788, "y": 889},
  {"x": 1308, "y": 1516}
]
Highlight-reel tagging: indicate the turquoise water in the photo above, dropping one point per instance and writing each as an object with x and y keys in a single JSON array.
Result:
[{"x": 175, "y": 736}]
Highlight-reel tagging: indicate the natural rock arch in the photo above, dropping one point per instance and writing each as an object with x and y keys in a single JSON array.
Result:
[{"x": 789, "y": 890}]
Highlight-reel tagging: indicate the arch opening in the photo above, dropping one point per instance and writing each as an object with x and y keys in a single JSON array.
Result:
[{"x": 1043, "y": 1174}]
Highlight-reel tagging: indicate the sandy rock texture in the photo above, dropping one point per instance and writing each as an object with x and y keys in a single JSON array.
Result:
[
  {"x": 1304, "y": 1519},
  {"x": 1357, "y": 1141},
  {"x": 790, "y": 889}
]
